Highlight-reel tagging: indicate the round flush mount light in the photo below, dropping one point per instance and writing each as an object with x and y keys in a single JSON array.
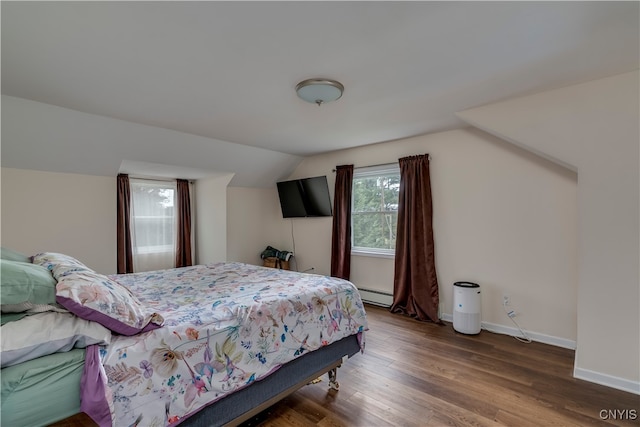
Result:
[{"x": 319, "y": 91}]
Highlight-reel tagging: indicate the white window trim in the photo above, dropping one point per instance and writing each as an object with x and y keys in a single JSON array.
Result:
[
  {"x": 376, "y": 170},
  {"x": 365, "y": 172},
  {"x": 375, "y": 253},
  {"x": 153, "y": 257}
]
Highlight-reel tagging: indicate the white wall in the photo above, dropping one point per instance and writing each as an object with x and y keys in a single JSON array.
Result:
[
  {"x": 254, "y": 222},
  {"x": 503, "y": 217},
  {"x": 76, "y": 215},
  {"x": 595, "y": 127},
  {"x": 211, "y": 219},
  {"x": 59, "y": 212}
]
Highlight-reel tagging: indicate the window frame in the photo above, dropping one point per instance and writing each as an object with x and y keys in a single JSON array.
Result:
[
  {"x": 367, "y": 172},
  {"x": 150, "y": 250}
]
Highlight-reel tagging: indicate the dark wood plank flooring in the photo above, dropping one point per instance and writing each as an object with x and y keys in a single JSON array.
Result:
[{"x": 421, "y": 374}]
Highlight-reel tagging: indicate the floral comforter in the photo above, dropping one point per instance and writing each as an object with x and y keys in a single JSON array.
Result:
[{"x": 226, "y": 325}]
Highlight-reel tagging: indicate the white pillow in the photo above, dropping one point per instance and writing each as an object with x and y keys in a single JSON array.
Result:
[{"x": 46, "y": 333}]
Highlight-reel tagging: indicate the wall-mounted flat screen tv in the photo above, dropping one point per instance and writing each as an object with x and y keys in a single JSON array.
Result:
[{"x": 306, "y": 197}]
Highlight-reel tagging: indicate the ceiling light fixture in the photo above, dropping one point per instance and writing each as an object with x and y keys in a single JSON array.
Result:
[{"x": 319, "y": 91}]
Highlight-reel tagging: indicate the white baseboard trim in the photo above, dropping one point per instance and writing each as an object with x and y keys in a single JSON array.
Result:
[
  {"x": 514, "y": 332},
  {"x": 382, "y": 299},
  {"x": 607, "y": 380},
  {"x": 579, "y": 373}
]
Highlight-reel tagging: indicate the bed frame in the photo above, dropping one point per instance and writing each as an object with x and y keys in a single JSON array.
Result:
[{"x": 244, "y": 404}]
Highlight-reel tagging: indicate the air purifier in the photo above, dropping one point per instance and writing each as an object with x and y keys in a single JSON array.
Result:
[{"x": 466, "y": 307}]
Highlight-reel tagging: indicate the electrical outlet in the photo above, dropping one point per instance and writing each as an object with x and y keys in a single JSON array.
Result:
[{"x": 506, "y": 299}]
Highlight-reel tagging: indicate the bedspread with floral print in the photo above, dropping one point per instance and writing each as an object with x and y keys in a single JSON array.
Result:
[{"x": 226, "y": 325}]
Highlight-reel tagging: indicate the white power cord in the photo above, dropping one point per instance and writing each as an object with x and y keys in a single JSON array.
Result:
[
  {"x": 511, "y": 314},
  {"x": 293, "y": 241}
]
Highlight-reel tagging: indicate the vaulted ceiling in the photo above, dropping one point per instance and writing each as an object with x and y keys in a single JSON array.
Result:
[{"x": 227, "y": 70}]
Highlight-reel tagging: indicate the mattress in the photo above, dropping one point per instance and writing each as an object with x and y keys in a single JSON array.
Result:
[{"x": 31, "y": 391}]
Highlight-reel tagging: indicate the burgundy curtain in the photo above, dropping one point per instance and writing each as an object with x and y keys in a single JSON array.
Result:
[
  {"x": 183, "y": 217},
  {"x": 125, "y": 250},
  {"x": 341, "y": 236},
  {"x": 415, "y": 285}
]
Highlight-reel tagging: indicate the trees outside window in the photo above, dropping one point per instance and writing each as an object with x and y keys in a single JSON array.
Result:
[{"x": 374, "y": 210}]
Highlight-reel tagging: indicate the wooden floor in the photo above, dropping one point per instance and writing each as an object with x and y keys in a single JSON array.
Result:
[{"x": 422, "y": 374}]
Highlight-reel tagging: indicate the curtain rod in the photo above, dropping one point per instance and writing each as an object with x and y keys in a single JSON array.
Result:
[
  {"x": 380, "y": 164},
  {"x": 191, "y": 181}
]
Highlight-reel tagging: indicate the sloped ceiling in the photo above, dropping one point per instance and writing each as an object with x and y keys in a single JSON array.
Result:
[{"x": 226, "y": 71}]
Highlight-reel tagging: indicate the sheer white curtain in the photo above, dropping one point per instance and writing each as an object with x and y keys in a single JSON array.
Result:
[{"x": 153, "y": 224}]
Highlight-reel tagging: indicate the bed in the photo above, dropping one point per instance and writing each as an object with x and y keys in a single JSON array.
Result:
[{"x": 202, "y": 345}]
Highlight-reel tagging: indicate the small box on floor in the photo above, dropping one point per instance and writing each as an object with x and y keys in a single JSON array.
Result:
[{"x": 274, "y": 262}]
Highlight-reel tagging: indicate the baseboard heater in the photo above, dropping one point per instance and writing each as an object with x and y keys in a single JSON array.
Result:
[{"x": 370, "y": 296}]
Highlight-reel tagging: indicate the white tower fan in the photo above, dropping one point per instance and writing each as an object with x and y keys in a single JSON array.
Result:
[{"x": 466, "y": 307}]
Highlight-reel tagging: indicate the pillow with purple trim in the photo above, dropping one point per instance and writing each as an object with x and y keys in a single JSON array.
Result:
[{"x": 96, "y": 297}]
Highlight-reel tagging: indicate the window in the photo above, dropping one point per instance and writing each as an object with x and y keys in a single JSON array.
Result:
[
  {"x": 374, "y": 210},
  {"x": 153, "y": 224}
]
